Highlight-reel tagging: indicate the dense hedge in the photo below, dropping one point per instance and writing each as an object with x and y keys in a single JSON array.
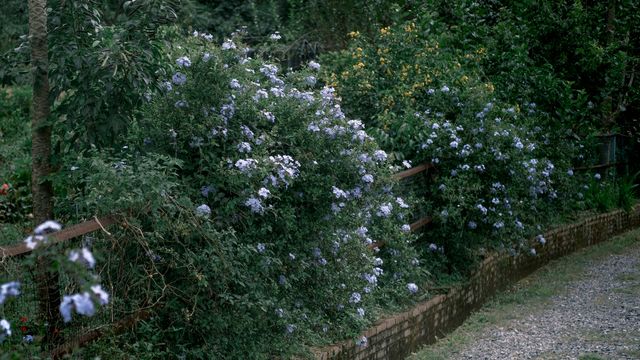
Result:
[{"x": 287, "y": 195}]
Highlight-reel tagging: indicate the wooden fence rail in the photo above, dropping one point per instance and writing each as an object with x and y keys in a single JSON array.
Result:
[{"x": 61, "y": 236}]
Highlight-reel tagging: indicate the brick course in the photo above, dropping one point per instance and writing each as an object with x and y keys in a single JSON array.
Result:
[{"x": 397, "y": 336}]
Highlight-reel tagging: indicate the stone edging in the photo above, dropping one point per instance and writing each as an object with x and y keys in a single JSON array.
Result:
[{"x": 398, "y": 336}]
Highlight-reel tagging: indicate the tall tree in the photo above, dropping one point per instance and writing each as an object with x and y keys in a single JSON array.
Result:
[{"x": 41, "y": 187}]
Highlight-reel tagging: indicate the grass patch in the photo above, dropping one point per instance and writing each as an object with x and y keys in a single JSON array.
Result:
[
  {"x": 590, "y": 357},
  {"x": 528, "y": 296},
  {"x": 628, "y": 277}
]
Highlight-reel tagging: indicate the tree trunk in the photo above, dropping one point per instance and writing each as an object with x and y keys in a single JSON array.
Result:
[{"x": 41, "y": 187}]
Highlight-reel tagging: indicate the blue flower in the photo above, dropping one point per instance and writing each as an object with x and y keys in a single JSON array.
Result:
[
  {"x": 355, "y": 298},
  {"x": 255, "y": 205},
  {"x": 235, "y": 84},
  {"x": 264, "y": 193},
  {"x": 9, "y": 289},
  {"x": 203, "y": 210},
  {"x": 244, "y": 147},
  {"x": 83, "y": 256},
  {"x": 179, "y": 78},
  {"x": 183, "y": 62},
  {"x": 362, "y": 342},
  {"x": 246, "y": 165},
  {"x": 413, "y": 288},
  {"x": 5, "y": 329},
  {"x": 228, "y": 45},
  {"x": 269, "y": 116},
  {"x": 46, "y": 227},
  {"x": 275, "y": 36},
  {"x": 370, "y": 278},
  {"x": 81, "y": 302},
  {"x": 310, "y": 80},
  {"x": 385, "y": 210},
  {"x": 261, "y": 248}
]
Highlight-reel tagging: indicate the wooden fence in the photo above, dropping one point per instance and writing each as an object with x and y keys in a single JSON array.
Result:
[{"x": 101, "y": 224}]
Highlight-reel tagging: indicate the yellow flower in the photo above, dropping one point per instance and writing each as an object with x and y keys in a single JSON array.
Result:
[
  {"x": 464, "y": 78},
  {"x": 358, "y": 66},
  {"x": 354, "y": 34},
  {"x": 384, "y": 30},
  {"x": 489, "y": 87}
]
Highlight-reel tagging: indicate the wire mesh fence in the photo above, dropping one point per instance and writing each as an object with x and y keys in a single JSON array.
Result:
[{"x": 117, "y": 268}]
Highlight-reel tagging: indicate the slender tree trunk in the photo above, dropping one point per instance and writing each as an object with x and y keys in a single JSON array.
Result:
[{"x": 41, "y": 187}]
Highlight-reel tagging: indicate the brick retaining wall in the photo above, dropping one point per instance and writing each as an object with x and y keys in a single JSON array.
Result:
[{"x": 400, "y": 335}]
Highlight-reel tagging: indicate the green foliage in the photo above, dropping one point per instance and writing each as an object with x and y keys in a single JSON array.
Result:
[
  {"x": 254, "y": 200},
  {"x": 15, "y": 150},
  {"x": 627, "y": 191},
  {"x": 502, "y": 163},
  {"x": 14, "y": 26},
  {"x": 307, "y": 27},
  {"x": 605, "y": 193},
  {"x": 560, "y": 54},
  {"x": 101, "y": 66}
]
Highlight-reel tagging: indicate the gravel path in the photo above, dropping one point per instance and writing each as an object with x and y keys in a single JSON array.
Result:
[{"x": 598, "y": 317}]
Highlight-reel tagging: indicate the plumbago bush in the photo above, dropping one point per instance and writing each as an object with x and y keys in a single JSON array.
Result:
[
  {"x": 501, "y": 170},
  {"x": 276, "y": 206}
]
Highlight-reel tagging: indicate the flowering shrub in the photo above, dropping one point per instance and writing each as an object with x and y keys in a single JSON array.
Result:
[
  {"x": 500, "y": 168},
  {"x": 78, "y": 266},
  {"x": 276, "y": 205}
]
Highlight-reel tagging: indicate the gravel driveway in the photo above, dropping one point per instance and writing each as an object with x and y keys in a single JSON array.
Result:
[{"x": 597, "y": 318}]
